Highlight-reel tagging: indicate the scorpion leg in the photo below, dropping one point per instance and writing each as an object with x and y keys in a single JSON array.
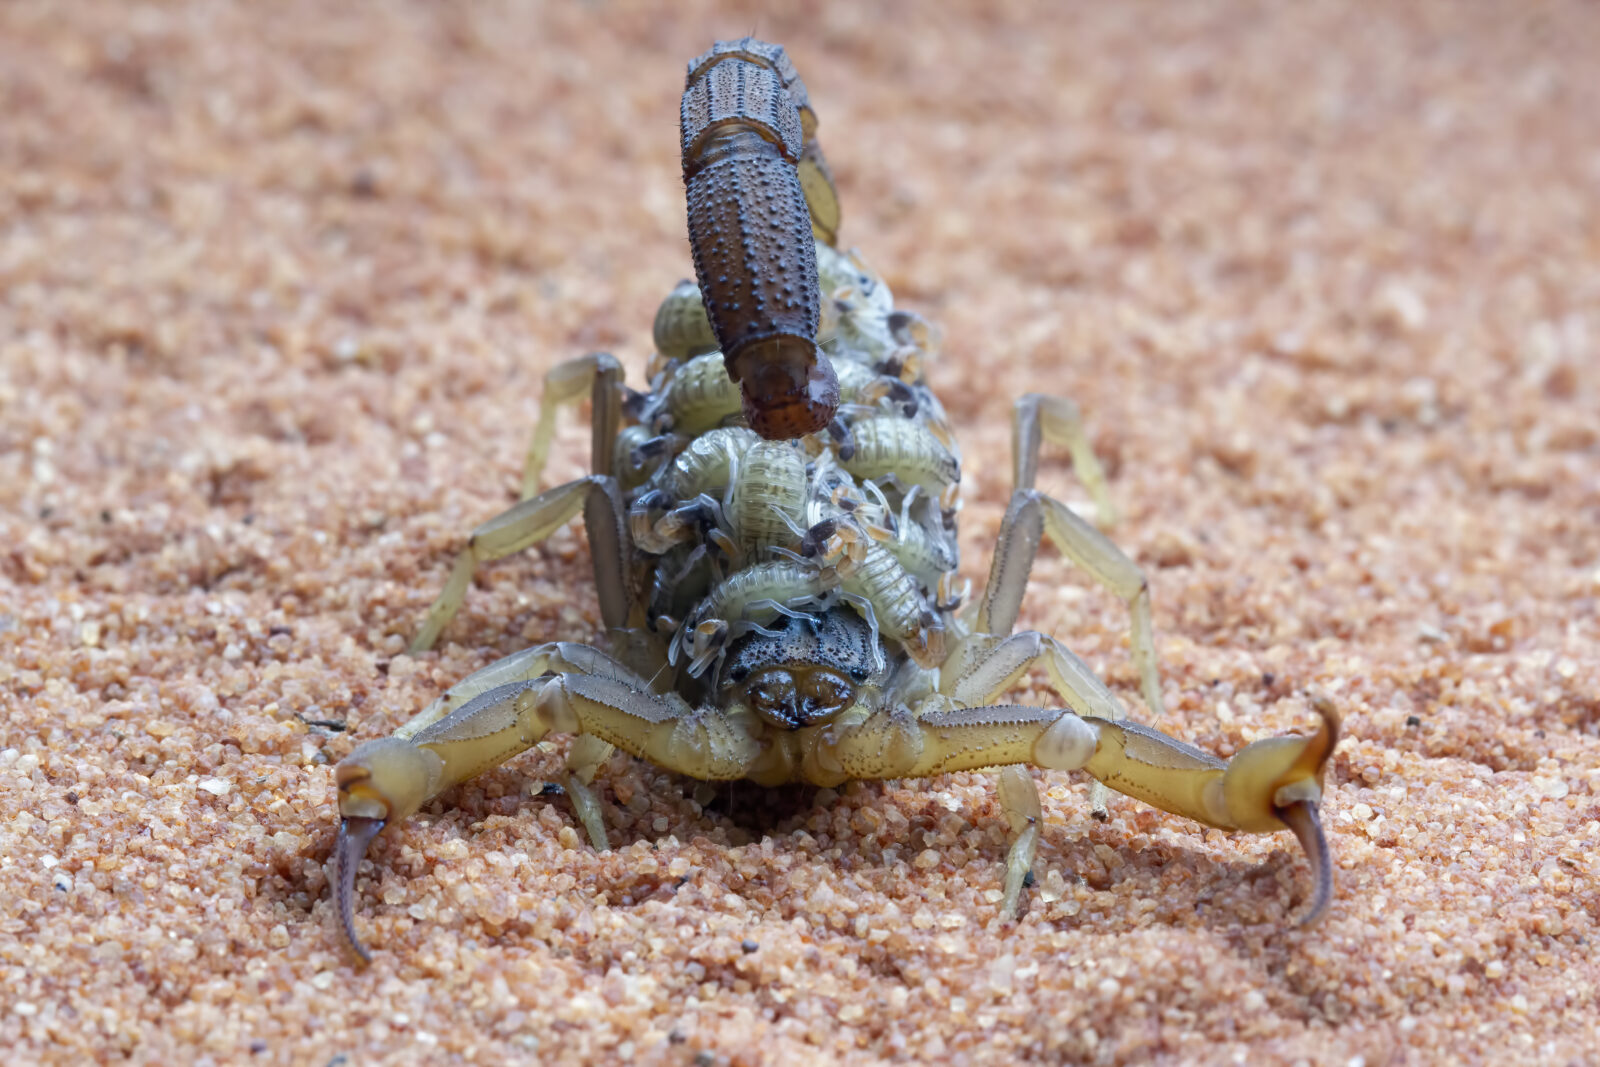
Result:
[
  {"x": 1033, "y": 515},
  {"x": 531, "y": 521},
  {"x": 597, "y": 374},
  {"x": 1035, "y": 418},
  {"x": 993, "y": 672},
  {"x": 584, "y": 760},
  {"x": 1019, "y": 799},
  {"x": 1270, "y": 785},
  {"x": 585, "y": 757},
  {"x": 516, "y": 702},
  {"x": 1057, "y": 420}
]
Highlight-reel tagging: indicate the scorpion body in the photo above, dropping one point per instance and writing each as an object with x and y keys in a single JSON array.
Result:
[{"x": 779, "y": 587}]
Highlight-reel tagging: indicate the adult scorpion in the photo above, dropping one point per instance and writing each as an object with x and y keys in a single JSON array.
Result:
[{"x": 773, "y": 537}]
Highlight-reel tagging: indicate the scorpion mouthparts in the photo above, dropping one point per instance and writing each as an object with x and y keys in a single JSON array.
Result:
[
  {"x": 1301, "y": 817},
  {"x": 355, "y": 834}
]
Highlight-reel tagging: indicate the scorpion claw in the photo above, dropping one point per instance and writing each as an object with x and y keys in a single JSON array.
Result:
[
  {"x": 1297, "y": 797},
  {"x": 1301, "y": 817},
  {"x": 1300, "y": 813},
  {"x": 355, "y": 834}
]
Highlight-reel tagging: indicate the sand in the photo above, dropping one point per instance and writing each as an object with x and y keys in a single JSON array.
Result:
[{"x": 277, "y": 287}]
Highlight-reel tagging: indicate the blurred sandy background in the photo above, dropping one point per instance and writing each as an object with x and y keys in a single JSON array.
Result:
[{"x": 277, "y": 286}]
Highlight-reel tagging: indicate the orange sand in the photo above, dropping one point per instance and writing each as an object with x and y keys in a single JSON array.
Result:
[{"x": 277, "y": 286}]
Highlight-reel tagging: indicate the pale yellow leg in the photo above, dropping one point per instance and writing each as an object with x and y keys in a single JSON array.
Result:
[
  {"x": 597, "y": 374},
  {"x": 583, "y": 762},
  {"x": 1019, "y": 799},
  {"x": 980, "y": 678},
  {"x": 533, "y": 519},
  {"x": 1033, "y": 515},
  {"x": 1095, "y": 553},
  {"x": 529, "y": 522},
  {"x": 1057, "y": 420},
  {"x": 1037, "y": 418},
  {"x": 981, "y": 671}
]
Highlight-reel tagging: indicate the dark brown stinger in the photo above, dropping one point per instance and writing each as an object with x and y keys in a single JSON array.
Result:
[{"x": 758, "y": 190}]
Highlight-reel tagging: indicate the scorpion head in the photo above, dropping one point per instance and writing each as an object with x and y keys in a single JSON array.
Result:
[{"x": 807, "y": 672}]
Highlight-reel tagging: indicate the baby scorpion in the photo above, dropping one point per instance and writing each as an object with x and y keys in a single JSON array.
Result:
[{"x": 775, "y": 560}]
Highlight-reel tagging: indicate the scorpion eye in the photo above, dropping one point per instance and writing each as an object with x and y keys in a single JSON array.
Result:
[
  {"x": 738, "y": 673},
  {"x": 860, "y": 674}
]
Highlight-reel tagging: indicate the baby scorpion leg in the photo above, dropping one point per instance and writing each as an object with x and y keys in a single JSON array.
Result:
[
  {"x": 531, "y": 521},
  {"x": 597, "y": 374},
  {"x": 1270, "y": 785},
  {"x": 561, "y": 688}
]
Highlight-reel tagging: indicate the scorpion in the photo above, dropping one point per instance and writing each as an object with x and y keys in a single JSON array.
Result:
[{"x": 773, "y": 537}]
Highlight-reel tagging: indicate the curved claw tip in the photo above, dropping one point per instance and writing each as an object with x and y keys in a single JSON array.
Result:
[
  {"x": 1328, "y": 735},
  {"x": 355, "y": 834},
  {"x": 1301, "y": 817}
]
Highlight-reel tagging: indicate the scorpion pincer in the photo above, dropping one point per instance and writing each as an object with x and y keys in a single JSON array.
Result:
[{"x": 787, "y": 610}]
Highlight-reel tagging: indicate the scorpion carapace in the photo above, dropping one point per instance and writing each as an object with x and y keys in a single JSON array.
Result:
[
  {"x": 789, "y": 610},
  {"x": 749, "y": 135},
  {"x": 805, "y": 671}
]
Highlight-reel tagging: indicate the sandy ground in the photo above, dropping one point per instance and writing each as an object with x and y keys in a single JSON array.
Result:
[{"x": 277, "y": 287}]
